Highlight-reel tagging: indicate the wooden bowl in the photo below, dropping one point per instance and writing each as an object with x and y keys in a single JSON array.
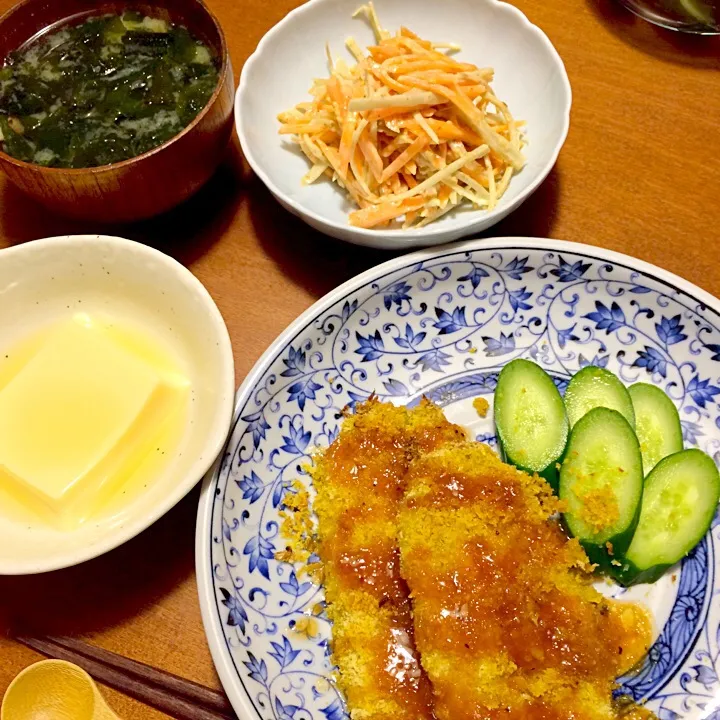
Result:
[{"x": 150, "y": 183}]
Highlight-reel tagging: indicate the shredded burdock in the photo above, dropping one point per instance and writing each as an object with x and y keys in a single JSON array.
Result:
[{"x": 407, "y": 131}]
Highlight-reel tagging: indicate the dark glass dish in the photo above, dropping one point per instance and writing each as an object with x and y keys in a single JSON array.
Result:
[{"x": 701, "y": 17}]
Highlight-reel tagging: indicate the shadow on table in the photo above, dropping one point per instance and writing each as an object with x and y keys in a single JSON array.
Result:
[
  {"x": 186, "y": 232},
  {"x": 668, "y": 45},
  {"x": 190, "y": 230},
  {"x": 320, "y": 263},
  {"x": 537, "y": 216},
  {"x": 306, "y": 257},
  {"x": 108, "y": 590}
]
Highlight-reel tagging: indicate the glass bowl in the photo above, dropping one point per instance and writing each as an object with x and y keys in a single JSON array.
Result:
[{"x": 701, "y": 17}]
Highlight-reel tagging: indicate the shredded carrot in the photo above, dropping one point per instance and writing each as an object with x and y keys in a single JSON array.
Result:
[
  {"x": 404, "y": 157},
  {"x": 345, "y": 144},
  {"x": 409, "y": 179},
  {"x": 372, "y": 156},
  {"x": 379, "y": 214},
  {"x": 407, "y": 131}
]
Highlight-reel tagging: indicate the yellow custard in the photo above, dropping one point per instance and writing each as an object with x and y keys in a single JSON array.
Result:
[{"x": 89, "y": 410}]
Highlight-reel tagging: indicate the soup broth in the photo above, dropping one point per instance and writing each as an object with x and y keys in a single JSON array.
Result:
[{"x": 103, "y": 91}]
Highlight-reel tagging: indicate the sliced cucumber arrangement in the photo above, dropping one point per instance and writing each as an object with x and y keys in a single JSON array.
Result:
[
  {"x": 636, "y": 501},
  {"x": 657, "y": 424},
  {"x": 679, "y": 503},
  {"x": 595, "y": 387},
  {"x": 601, "y": 482},
  {"x": 530, "y": 416}
]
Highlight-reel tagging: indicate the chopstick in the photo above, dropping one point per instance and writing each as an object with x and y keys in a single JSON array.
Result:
[{"x": 181, "y": 699}]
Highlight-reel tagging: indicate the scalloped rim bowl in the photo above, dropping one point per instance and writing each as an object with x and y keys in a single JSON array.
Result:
[
  {"x": 44, "y": 281},
  {"x": 529, "y": 76}
]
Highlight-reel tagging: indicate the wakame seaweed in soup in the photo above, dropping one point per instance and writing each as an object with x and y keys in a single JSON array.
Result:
[{"x": 102, "y": 91}]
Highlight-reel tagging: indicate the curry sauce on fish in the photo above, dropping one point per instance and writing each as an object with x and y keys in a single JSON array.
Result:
[
  {"x": 506, "y": 620},
  {"x": 453, "y": 590},
  {"x": 359, "y": 484}
]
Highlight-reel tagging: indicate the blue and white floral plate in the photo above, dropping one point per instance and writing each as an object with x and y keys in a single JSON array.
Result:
[{"x": 442, "y": 323}]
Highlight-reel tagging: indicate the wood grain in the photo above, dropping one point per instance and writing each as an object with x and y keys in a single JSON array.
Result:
[{"x": 639, "y": 174}]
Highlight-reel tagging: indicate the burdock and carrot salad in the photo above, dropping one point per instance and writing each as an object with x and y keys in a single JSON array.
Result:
[{"x": 408, "y": 131}]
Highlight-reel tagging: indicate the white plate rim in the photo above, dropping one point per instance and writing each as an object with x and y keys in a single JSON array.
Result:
[{"x": 212, "y": 623}]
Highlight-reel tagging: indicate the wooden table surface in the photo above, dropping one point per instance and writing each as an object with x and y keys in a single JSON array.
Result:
[{"x": 639, "y": 174}]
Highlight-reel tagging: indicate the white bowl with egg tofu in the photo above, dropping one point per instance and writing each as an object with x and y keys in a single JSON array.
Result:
[{"x": 116, "y": 395}]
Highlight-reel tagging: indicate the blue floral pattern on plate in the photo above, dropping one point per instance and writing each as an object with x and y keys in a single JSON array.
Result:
[{"x": 442, "y": 324}]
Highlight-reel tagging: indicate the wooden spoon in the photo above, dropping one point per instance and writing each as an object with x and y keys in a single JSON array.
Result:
[{"x": 54, "y": 690}]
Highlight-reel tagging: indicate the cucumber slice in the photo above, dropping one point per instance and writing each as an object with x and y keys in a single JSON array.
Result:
[
  {"x": 595, "y": 387},
  {"x": 532, "y": 426},
  {"x": 657, "y": 424},
  {"x": 679, "y": 503},
  {"x": 601, "y": 482}
]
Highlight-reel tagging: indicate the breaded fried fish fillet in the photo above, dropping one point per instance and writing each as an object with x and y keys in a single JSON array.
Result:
[
  {"x": 359, "y": 485},
  {"x": 506, "y": 620}
]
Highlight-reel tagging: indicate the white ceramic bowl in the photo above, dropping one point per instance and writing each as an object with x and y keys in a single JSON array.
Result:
[
  {"x": 46, "y": 280},
  {"x": 529, "y": 76}
]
